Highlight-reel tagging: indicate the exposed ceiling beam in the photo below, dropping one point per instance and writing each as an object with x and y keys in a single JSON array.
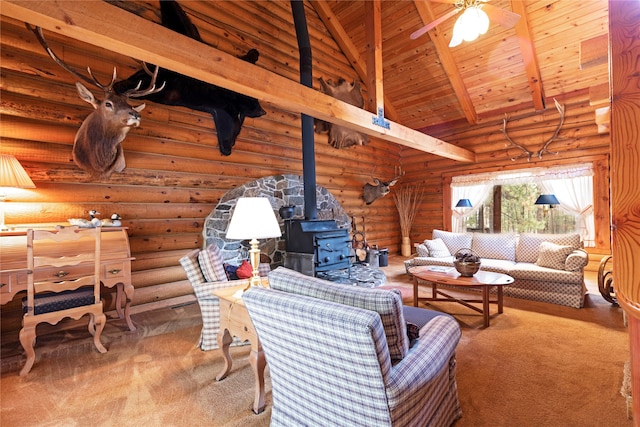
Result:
[
  {"x": 373, "y": 48},
  {"x": 343, "y": 40},
  {"x": 114, "y": 29},
  {"x": 594, "y": 51},
  {"x": 529, "y": 56},
  {"x": 448, "y": 63}
]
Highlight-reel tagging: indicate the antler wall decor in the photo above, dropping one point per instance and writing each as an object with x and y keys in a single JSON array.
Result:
[{"x": 526, "y": 153}]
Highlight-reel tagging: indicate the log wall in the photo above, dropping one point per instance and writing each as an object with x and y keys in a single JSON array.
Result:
[
  {"x": 175, "y": 173},
  {"x": 578, "y": 141}
]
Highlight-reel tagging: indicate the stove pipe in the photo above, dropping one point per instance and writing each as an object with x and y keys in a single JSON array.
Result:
[{"x": 308, "y": 143}]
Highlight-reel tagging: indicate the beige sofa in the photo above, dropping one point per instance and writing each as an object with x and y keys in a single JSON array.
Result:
[{"x": 546, "y": 267}]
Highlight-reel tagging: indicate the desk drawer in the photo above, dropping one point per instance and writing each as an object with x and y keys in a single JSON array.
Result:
[{"x": 115, "y": 270}]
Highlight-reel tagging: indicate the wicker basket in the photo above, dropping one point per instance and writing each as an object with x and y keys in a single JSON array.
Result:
[{"x": 466, "y": 268}]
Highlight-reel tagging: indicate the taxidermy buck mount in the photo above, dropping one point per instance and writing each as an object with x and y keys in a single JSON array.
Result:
[
  {"x": 228, "y": 108},
  {"x": 372, "y": 192},
  {"x": 340, "y": 136},
  {"x": 97, "y": 147},
  {"x": 525, "y": 152}
]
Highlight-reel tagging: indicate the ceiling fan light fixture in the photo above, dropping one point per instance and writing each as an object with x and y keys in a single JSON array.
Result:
[{"x": 473, "y": 22}]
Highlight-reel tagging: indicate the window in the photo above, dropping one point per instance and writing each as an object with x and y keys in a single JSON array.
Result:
[{"x": 505, "y": 202}]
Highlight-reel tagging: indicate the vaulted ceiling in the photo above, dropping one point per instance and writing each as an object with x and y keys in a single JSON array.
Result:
[{"x": 557, "y": 47}]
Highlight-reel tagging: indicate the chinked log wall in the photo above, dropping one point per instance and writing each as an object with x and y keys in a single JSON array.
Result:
[
  {"x": 175, "y": 174},
  {"x": 578, "y": 141}
]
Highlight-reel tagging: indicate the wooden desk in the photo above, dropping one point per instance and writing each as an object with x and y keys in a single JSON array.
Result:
[
  {"x": 450, "y": 277},
  {"x": 235, "y": 322},
  {"x": 116, "y": 262}
]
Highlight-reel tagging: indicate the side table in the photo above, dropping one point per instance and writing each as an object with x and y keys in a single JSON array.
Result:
[{"x": 235, "y": 322}]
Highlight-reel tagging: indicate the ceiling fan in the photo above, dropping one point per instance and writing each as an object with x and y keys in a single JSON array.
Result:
[{"x": 474, "y": 20}]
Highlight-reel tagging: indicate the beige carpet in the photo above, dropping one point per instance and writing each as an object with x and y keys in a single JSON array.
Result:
[{"x": 536, "y": 365}]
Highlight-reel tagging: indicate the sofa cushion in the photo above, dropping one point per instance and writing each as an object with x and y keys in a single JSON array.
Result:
[
  {"x": 437, "y": 248},
  {"x": 453, "y": 241},
  {"x": 533, "y": 272},
  {"x": 192, "y": 267},
  {"x": 495, "y": 246},
  {"x": 552, "y": 255},
  {"x": 496, "y": 265},
  {"x": 386, "y": 302},
  {"x": 528, "y": 244},
  {"x": 212, "y": 265}
]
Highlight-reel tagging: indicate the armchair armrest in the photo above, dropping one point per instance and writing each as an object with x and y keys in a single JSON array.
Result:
[{"x": 433, "y": 350}]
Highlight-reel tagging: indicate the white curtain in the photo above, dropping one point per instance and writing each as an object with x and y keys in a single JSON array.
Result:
[
  {"x": 574, "y": 191},
  {"x": 475, "y": 193},
  {"x": 572, "y": 185}
]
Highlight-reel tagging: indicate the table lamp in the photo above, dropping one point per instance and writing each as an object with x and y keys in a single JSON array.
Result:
[
  {"x": 551, "y": 200},
  {"x": 253, "y": 218},
  {"x": 12, "y": 175},
  {"x": 464, "y": 203}
]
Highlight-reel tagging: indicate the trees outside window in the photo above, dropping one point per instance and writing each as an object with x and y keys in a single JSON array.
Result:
[
  {"x": 505, "y": 201},
  {"x": 518, "y": 213}
]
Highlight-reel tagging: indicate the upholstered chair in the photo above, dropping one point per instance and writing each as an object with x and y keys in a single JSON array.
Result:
[
  {"x": 205, "y": 271},
  {"x": 340, "y": 355}
]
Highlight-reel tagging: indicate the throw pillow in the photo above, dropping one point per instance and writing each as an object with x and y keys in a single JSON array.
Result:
[
  {"x": 211, "y": 264},
  {"x": 230, "y": 270},
  {"x": 244, "y": 271},
  {"x": 422, "y": 250},
  {"x": 552, "y": 255},
  {"x": 437, "y": 248},
  {"x": 454, "y": 241}
]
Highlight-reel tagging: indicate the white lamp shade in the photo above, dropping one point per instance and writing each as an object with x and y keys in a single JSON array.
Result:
[
  {"x": 12, "y": 174},
  {"x": 253, "y": 218}
]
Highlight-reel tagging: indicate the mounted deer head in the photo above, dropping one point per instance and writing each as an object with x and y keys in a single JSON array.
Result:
[
  {"x": 97, "y": 147},
  {"x": 372, "y": 192}
]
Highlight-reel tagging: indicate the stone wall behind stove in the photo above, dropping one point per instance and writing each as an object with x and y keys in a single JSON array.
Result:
[{"x": 282, "y": 190}]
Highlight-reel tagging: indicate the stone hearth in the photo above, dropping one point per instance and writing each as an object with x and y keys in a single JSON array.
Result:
[{"x": 282, "y": 190}]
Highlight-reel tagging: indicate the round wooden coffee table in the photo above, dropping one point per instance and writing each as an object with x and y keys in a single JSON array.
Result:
[{"x": 437, "y": 275}]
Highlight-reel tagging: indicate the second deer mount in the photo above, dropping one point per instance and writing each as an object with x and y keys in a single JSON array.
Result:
[{"x": 379, "y": 188}]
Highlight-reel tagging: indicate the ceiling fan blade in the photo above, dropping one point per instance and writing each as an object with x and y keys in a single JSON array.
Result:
[
  {"x": 433, "y": 24},
  {"x": 503, "y": 17}
]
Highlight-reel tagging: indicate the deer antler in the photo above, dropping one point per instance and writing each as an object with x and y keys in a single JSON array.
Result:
[
  {"x": 136, "y": 92},
  {"x": 544, "y": 149}
]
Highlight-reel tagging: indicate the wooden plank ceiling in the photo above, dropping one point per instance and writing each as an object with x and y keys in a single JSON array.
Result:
[{"x": 427, "y": 84}]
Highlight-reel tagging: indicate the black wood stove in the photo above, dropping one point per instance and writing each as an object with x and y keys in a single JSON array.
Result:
[
  {"x": 323, "y": 245},
  {"x": 313, "y": 245}
]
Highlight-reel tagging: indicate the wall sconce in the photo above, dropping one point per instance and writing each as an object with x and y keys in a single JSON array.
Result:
[
  {"x": 464, "y": 203},
  {"x": 12, "y": 175},
  {"x": 253, "y": 219}
]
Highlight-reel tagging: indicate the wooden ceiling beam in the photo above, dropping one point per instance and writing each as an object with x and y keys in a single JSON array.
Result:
[
  {"x": 114, "y": 29},
  {"x": 529, "y": 56},
  {"x": 373, "y": 48},
  {"x": 343, "y": 40},
  {"x": 448, "y": 63}
]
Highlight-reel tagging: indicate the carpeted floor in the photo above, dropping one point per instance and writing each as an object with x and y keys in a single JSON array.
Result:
[{"x": 536, "y": 365}]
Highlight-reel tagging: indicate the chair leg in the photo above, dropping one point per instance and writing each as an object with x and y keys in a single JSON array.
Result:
[
  {"x": 27, "y": 339},
  {"x": 99, "y": 320}
]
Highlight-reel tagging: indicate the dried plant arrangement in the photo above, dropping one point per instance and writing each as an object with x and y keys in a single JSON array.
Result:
[{"x": 407, "y": 199}]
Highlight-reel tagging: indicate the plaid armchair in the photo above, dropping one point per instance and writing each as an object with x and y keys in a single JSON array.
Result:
[
  {"x": 329, "y": 348},
  {"x": 205, "y": 271}
]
